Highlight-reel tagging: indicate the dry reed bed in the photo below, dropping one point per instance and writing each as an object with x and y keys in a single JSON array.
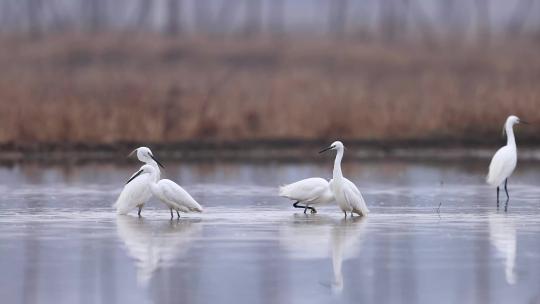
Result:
[{"x": 124, "y": 88}]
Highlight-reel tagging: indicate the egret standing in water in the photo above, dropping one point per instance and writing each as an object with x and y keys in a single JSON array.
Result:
[
  {"x": 168, "y": 192},
  {"x": 136, "y": 194},
  {"x": 309, "y": 191},
  {"x": 346, "y": 194},
  {"x": 504, "y": 161}
]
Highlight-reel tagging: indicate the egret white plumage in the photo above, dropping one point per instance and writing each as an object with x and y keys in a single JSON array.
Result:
[
  {"x": 146, "y": 156},
  {"x": 168, "y": 192},
  {"x": 504, "y": 161},
  {"x": 136, "y": 194},
  {"x": 309, "y": 191},
  {"x": 346, "y": 194}
]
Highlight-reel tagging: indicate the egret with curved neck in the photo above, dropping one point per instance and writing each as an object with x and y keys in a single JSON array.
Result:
[
  {"x": 146, "y": 156},
  {"x": 504, "y": 161},
  {"x": 346, "y": 194},
  {"x": 137, "y": 193}
]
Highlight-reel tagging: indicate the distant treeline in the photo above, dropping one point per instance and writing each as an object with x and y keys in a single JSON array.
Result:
[{"x": 429, "y": 21}]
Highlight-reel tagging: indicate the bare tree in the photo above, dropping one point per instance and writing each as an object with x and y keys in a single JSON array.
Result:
[
  {"x": 35, "y": 10},
  {"x": 482, "y": 21},
  {"x": 277, "y": 16},
  {"x": 519, "y": 17},
  {"x": 338, "y": 17},
  {"x": 422, "y": 23},
  {"x": 7, "y": 13},
  {"x": 447, "y": 10},
  {"x": 405, "y": 16},
  {"x": 94, "y": 13},
  {"x": 388, "y": 25},
  {"x": 145, "y": 8},
  {"x": 59, "y": 18},
  {"x": 253, "y": 18},
  {"x": 201, "y": 13},
  {"x": 225, "y": 14},
  {"x": 173, "y": 26}
]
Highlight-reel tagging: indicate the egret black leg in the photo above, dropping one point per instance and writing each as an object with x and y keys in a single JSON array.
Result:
[
  {"x": 178, "y": 213},
  {"x": 171, "y": 214},
  {"x": 140, "y": 209},
  {"x": 352, "y": 215},
  {"x": 506, "y": 190},
  {"x": 345, "y": 212},
  {"x": 311, "y": 209},
  {"x": 295, "y": 205},
  {"x": 497, "y": 196}
]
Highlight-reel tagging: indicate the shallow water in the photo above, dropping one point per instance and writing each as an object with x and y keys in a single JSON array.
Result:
[{"x": 60, "y": 241}]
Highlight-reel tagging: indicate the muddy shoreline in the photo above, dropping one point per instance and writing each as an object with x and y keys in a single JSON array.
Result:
[{"x": 259, "y": 151}]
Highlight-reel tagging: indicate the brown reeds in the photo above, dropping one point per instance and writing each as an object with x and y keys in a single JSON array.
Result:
[{"x": 108, "y": 89}]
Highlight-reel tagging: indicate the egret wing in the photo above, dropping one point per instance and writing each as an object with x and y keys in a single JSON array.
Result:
[
  {"x": 306, "y": 190},
  {"x": 501, "y": 164},
  {"x": 352, "y": 186},
  {"x": 133, "y": 194},
  {"x": 177, "y": 195},
  {"x": 354, "y": 198}
]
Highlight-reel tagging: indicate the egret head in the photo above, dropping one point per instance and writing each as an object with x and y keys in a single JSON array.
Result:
[
  {"x": 146, "y": 169},
  {"x": 337, "y": 145},
  {"x": 145, "y": 155},
  {"x": 513, "y": 119}
]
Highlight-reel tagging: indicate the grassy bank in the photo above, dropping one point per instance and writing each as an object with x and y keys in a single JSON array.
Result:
[{"x": 110, "y": 89}]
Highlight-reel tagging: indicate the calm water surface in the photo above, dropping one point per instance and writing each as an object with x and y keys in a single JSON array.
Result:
[{"x": 60, "y": 241}]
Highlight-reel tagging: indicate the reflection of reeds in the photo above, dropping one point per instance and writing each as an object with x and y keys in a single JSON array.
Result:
[{"x": 108, "y": 89}]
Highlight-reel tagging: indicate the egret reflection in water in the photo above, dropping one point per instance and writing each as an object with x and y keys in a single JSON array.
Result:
[
  {"x": 502, "y": 235},
  {"x": 346, "y": 241},
  {"x": 155, "y": 245},
  {"x": 320, "y": 237}
]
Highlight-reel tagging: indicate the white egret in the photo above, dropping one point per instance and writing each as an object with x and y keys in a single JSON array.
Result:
[
  {"x": 138, "y": 193},
  {"x": 346, "y": 194},
  {"x": 309, "y": 191},
  {"x": 168, "y": 192},
  {"x": 504, "y": 161}
]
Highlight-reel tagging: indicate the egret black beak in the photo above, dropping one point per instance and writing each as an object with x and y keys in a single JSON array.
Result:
[
  {"x": 524, "y": 122},
  {"x": 326, "y": 149},
  {"x": 131, "y": 153},
  {"x": 134, "y": 176},
  {"x": 157, "y": 161}
]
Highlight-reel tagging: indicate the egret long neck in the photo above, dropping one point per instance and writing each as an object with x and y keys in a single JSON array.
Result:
[
  {"x": 511, "y": 140},
  {"x": 337, "y": 165},
  {"x": 157, "y": 174},
  {"x": 154, "y": 175},
  {"x": 154, "y": 187}
]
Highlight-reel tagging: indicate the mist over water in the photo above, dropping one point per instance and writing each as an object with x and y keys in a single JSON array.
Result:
[{"x": 61, "y": 242}]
